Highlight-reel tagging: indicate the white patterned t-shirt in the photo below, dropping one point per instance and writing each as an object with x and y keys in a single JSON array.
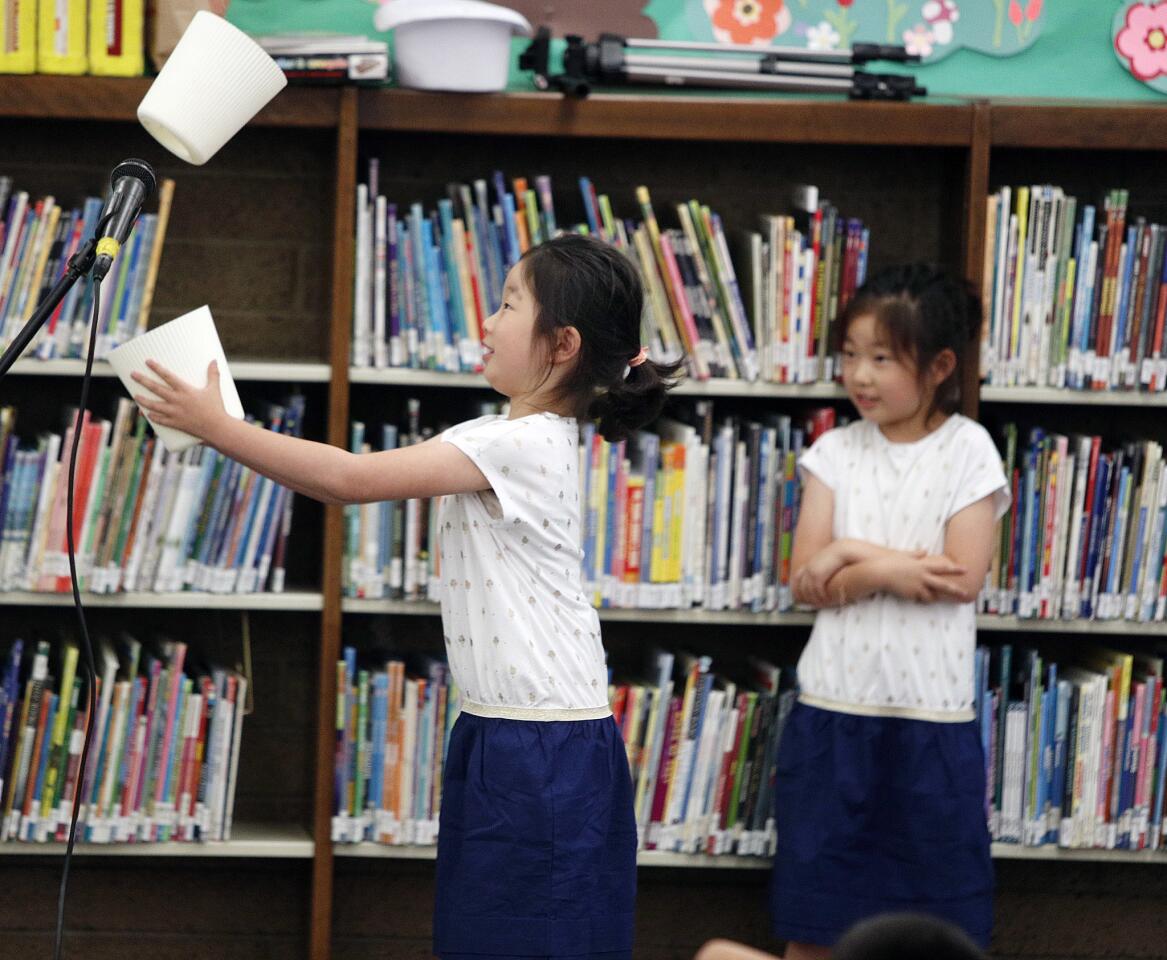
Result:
[
  {"x": 520, "y": 635},
  {"x": 885, "y": 655}
]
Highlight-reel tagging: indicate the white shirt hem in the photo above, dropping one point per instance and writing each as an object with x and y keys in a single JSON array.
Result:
[
  {"x": 542, "y": 714},
  {"x": 876, "y": 710}
]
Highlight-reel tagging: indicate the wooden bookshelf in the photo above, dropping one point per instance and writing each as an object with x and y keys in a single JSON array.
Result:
[{"x": 927, "y": 169}]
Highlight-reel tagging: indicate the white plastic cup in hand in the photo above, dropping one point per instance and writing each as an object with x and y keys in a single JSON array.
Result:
[
  {"x": 185, "y": 346},
  {"x": 214, "y": 82}
]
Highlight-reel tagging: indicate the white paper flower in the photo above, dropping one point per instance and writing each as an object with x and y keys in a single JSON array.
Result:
[
  {"x": 918, "y": 40},
  {"x": 942, "y": 32},
  {"x": 822, "y": 37}
]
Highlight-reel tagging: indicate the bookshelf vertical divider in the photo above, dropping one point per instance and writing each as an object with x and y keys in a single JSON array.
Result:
[
  {"x": 976, "y": 192},
  {"x": 320, "y": 945}
]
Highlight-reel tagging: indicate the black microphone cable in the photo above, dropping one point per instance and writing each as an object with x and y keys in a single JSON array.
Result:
[{"x": 87, "y": 645}]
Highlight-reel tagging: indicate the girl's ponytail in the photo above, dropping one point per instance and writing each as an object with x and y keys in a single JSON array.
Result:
[{"x": 634, "y": 401}]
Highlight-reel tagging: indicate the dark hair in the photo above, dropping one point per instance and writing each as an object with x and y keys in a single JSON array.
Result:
[
  {"x": 579, "y": 281},
  {"x": 923, "y": 311},
  {"x": 906, "y": 936}
]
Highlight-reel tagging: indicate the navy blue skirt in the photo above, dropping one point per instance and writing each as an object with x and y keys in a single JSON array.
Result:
[
  {"x": 536, "y": 842},
  {"x": 876, "y": 815}
]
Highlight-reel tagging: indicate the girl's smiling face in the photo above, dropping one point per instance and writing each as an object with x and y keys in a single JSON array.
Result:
[
  {"x": 513, "y": 361},
  {"x": 886, "y": 387}
]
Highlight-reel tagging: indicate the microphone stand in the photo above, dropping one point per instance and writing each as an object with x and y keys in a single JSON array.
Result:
[{"x": 79, "y": 265}]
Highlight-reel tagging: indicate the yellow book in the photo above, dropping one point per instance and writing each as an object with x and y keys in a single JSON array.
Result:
[
  {"x": 61, "y": 32},
  {"x": 677, "y": 520},
  {"x": 1019, "y": 283},
  {"x": 18, "y": 36},
  {"x": 117, "y": 38},
  {"x": 600, "y": 505},
  {"x": 165, "y": 199},
  {"x": 658, "y": 302},
  {"x": 660, "y": 501}
]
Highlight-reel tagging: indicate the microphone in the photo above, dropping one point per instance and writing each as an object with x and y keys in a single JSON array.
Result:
[{"x": 133, "y": 183}]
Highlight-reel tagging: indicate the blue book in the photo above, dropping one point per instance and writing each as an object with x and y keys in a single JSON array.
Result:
[
  {"x": 1060, "y": 757},
  {"x": 1097, "y": 518},
  {"x": 9, "y": 695},
  {"x": 457, "y": 308},
  {"x": 439, "y": 322},
  {"x": 650, "y": 457},
  {"x": 487, "y": 239},
  {"x": 767, "y": 443},
  {"x": 509, "y": 219},
  {"x": 377, "y": 760},
  {"x": 1121, "y": 510},
  {"x": 42, "y": 763},
  {"x": 423, "y": 308}
]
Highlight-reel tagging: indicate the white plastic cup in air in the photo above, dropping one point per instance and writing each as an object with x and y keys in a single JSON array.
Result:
[
  {"x": 185, "y": 346},
  {"x": 214, "y": 82}
]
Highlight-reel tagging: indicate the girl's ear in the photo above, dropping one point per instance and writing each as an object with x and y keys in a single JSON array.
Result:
[
  {"x": 567, "y": 345},
  {"x": 942, "y": 366}
]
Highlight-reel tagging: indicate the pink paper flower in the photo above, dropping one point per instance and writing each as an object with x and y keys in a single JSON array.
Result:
[
  {"x": 1143, "y": 40},
  {"x": 1015, "y": 15}
]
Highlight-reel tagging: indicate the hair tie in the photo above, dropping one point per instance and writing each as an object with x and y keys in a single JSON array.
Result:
[{"x": 639, "y": 358}]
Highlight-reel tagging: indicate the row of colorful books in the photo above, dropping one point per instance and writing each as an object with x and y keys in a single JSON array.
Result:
[
  {"x": 701, "y": 752},
  {"x": 425, "y": 282},
  {"x": 1074, "y": 751},
  {"x": 1086, "y": 535},
  {"x": 164, "y": 757},
  {"x": 1075, "y": 296},
  {"x": 696, "y": 514},
  {"x": 100, "y": 37},
  {"x": 392, "y": 733},
  {"x": 144, "y": 519},
  {"x": 37, "y": 238}
]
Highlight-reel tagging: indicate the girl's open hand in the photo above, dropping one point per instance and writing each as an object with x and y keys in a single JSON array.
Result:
[
  {"x": 176, "y": 403},
  {"x": 925, "y": 579}
]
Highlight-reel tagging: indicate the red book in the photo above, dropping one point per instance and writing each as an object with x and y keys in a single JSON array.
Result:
[{"x": 669, "y": 748}]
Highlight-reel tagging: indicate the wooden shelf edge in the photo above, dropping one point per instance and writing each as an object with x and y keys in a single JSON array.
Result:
[
  {"x": 248, "y": 841},
  {"x": 54, "y": 97},
  {"x": 261, "y": 371},
  {"x": 663, "y": 859},
  {"x": 796, "y": 618},
  {"x": 663, "y": 117},
  {"x": 293, "y": 601}
]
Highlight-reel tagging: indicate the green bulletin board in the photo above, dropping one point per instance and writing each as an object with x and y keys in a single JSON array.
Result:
[{"x": 1071, "y": 57}]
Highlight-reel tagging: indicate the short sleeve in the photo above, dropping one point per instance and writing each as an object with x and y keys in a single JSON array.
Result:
[
  {"x": 981, "y": 473},
  {"x": 502, "y": 449},
  {"x": 822, "y": 459}
]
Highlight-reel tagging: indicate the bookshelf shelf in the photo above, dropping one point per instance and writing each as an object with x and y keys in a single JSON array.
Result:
[
  {"x": 249, "y": 841},
  {"x": 424, "y": 608},
  {"x": 263, "y": 371},
  {"x": 660, "y": 858},
  {"x": 688, "y": 388},
  {"x": 664, "y": 117},
  {"x": 290, "y": 601},
  {"x": 1065, "y": 125},
  {"x": 51, "y": 97},
  {"x": 1050, "y": 395},
  {"x": 986, "y": 622}
]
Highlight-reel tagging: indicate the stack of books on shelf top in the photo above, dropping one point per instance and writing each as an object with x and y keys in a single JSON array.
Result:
[
  {"x": 426, "y": 281},
  {"x": 1075, "y": 296},
  {"x": 37, "y": 238},
  {"x": 144, "y": 519},
  {"x": 1074, "y": 753},
  {"x": 689, "y": 515},
  {"x": 164, "y": 757},
  {"x": 701, "y": 752}
]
